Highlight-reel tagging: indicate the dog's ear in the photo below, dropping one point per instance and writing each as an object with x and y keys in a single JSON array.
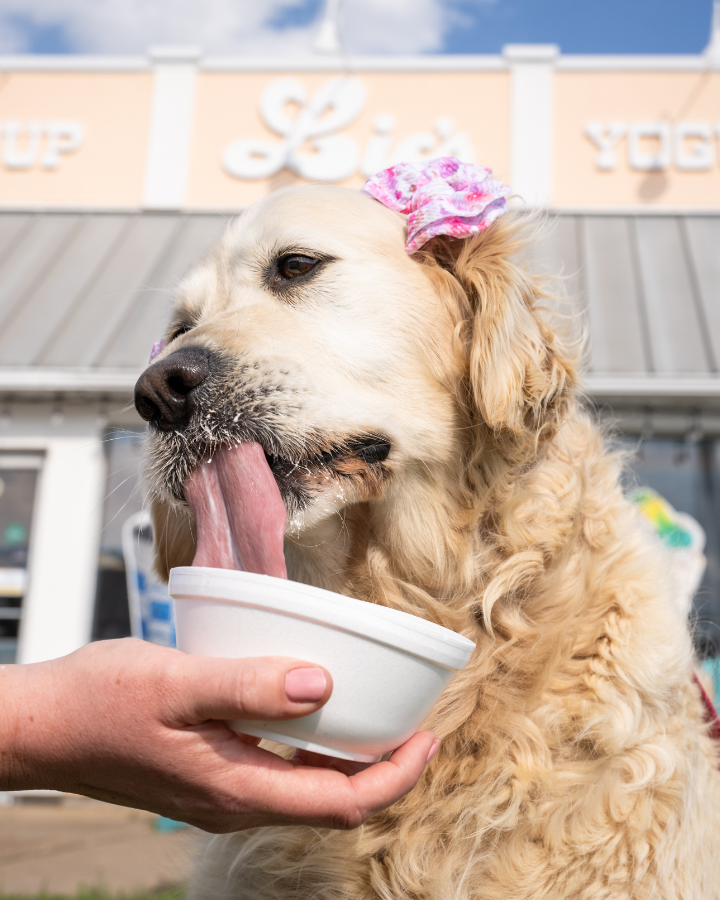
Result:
[
  {"x": 174, "y": 537},
  {"x": 518, "y": 371}
]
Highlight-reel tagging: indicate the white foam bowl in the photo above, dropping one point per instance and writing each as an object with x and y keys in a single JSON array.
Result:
[{"x": 388, "y": 668}]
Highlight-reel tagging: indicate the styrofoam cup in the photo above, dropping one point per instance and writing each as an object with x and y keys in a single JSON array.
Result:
[{"x": 388, "y": 668}]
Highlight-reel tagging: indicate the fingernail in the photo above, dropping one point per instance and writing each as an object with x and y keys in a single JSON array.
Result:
[
  {"x": 305, "y": 685},
  {"x": 433, "y": 750}
]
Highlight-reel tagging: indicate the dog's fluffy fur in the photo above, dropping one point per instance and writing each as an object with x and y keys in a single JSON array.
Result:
[{"x": 575, "y": 762}]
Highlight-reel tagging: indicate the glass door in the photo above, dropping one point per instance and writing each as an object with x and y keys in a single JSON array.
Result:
[{"x": 18, "y": 484}]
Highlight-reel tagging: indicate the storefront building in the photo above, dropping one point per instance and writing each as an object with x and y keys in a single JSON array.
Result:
[{"x": 116, "y": 174}]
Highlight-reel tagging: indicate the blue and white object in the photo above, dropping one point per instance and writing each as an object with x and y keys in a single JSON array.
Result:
[{"x": 151, "y": 609}]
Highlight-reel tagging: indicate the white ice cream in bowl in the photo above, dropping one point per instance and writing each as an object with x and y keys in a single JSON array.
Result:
[{"x": 389, "y": 668}]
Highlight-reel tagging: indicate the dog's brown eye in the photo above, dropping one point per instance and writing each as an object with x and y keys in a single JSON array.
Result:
[
  {"x": 294, "y": 265},
  {"x": 183, "y": 328}
]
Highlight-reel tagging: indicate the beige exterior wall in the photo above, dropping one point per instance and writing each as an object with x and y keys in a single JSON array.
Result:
[
  {"x": 642, "y": 103},
  {"x": 107, "y": 167},
  {"x": 227, "y": 109},
  {"x": 621, "y": 104}
]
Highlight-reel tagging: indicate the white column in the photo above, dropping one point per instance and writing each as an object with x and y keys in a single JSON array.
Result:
[
  {"x": 167, "y": 164},
  {"x": 64, "y": 545},
  {"x": 532, "y": 68}
]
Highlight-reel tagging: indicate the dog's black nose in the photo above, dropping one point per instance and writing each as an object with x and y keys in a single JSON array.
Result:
[{"x": 164, "y": 393}]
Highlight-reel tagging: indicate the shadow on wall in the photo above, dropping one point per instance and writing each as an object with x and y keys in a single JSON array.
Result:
[{"x": 653, "y": 186}]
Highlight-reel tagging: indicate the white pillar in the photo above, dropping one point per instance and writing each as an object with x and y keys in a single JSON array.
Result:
[
  {"x": 64, "y": 545},
  {"x": 167, "y": 164},
  {"x": 532, "y": 68}
]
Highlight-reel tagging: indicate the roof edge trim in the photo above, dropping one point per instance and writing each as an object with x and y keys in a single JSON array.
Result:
[
  {"x": 73, "y": 62},
  {"x": 222, "y": 210},
  {"x": 40, "y": 379},
  {"x": 625, "y": 209},
  {"x": 430, "y": 62},
  {"x": 23, "y": 379},
  {"x": 675, "y": 386}
]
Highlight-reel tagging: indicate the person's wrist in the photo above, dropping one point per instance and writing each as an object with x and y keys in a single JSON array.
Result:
[
  {"x": 27, "y": 730},
  {"x": 13, "y": 767}
]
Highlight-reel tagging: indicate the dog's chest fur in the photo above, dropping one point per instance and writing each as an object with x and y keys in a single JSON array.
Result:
[{"x": 574, "y": 761}]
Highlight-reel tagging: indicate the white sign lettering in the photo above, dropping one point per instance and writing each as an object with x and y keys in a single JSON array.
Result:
[
  {"x": 29, "y": 144},
  {"x": 310, "y": 146},
  {"x": 644, "y": 134},
  {"x": 655, "y": 146},
  {"x": 605, "y": 137},
  {"x": 333, "y": 157},
  {"x": 442, "y": 141},
  {"x": 693, "y": 146}
]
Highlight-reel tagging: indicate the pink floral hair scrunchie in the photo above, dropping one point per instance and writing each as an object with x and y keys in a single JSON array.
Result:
[{"x": 444, "y": 196}]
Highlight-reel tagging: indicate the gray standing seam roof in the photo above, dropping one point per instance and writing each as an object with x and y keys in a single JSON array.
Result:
[
  {"x": 90, "y": 291},
  {"x": 647, "y": 287}
]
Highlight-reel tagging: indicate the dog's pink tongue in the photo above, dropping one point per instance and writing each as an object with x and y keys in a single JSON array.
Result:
[{"x": 239, "y": 513}]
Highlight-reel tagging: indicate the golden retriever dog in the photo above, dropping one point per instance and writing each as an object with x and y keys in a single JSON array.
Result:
[{"x": 421, "y": 420}]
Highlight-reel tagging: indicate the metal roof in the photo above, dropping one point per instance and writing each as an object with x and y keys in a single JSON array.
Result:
[
  {"x": 648, "y": 290},
  {"x": 83, "y": 295}
]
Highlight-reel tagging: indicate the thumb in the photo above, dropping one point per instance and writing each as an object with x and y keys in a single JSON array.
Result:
[{"x": 272, "y": 687}]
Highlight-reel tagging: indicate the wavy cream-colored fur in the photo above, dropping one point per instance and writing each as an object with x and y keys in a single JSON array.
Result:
[{"x": 575, "y": 762}]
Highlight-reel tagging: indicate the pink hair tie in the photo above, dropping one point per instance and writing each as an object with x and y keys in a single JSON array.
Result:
[
  {"x": 444, "y": 196},
  {"x": 157, "y": 349}
]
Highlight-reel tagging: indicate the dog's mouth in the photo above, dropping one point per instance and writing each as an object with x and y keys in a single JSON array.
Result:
[
  {"x": 236, "y": 497},
  {"x": 336, "y": 460}
]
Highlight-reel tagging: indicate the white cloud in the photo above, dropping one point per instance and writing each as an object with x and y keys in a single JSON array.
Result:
[
  {"x": 396, "y": 26},
  {"x": 246, "y": 27}
]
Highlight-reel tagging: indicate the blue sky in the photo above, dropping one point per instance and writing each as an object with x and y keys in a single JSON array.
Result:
[
  {"x": 259, "y": 27},
  {"x": 583, "y": 26}
]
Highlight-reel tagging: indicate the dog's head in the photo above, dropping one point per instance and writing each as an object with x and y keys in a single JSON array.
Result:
[{"x": 370, "y": 379}]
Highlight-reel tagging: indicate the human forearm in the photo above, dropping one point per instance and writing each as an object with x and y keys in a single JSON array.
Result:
[{"x": 23, "y": 723}]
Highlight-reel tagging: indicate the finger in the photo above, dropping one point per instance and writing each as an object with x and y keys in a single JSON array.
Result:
[
  {"x": 267, "y": 688},
  {"x": 283, "y": 793},
  {"x": 386, "y": 782}
]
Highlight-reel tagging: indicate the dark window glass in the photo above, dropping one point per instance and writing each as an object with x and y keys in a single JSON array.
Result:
[
  {"x": 687, "y": 475},
  {"x": 123, "y": 498},
  {"x": 17, "y": 499}
]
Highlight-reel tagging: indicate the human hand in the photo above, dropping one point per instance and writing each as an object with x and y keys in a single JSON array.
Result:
[{"x": 139, "y": 725}]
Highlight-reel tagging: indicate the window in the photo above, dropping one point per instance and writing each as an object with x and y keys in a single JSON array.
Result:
[
  {"x": 687, "y": 474},
  {"x": 123, "y": 498},
  {"x": 18, "y": 485},
  {"x": 126, "y": 552}
]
